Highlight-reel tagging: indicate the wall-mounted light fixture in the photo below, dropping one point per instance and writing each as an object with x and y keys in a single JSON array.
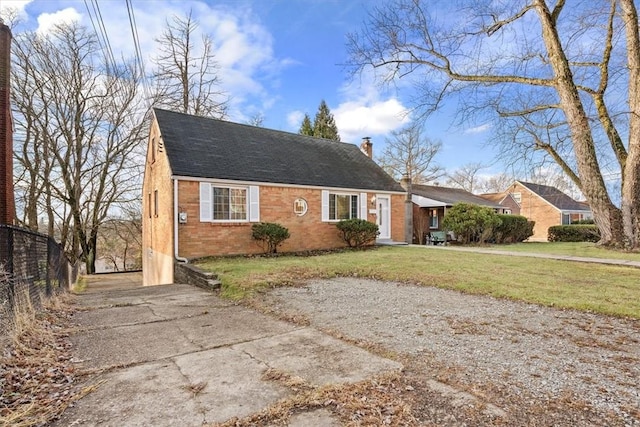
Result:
[
  {"x": 182, "y": 217},
  {"x": 373, "y": 200}
]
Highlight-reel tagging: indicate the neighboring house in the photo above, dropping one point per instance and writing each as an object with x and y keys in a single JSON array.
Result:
[
  {"x": 430, "y": 204},
  {"x": 207, "y": 181},
  {"x": 506, "y": 200},
  {"x": 547, "y": 206}
]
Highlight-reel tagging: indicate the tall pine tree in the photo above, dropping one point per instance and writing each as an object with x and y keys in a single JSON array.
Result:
[
  {"x": 307, "y": 127},
  {"x": 323, "y": 126}
]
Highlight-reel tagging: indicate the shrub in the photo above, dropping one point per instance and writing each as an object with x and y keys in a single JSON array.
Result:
[
  {"x": 357, "y": 232},
  {"x": 471, "y": 223},
  {"x": 512, "y": 229},
  {"x": 574, "y": 233},
  {"x": 270, "y": 235},
  {"x": 583, "y": 221}
]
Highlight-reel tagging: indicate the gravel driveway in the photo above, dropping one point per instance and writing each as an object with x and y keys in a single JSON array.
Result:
[{"x": 530, "y": 365}]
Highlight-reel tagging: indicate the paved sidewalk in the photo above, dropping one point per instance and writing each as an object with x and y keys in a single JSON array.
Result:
[
  {"x": 178, "y": 355},
  {"x": 609, "y": 261}
]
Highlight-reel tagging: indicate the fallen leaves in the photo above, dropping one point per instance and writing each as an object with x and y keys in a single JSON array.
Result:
[{"x": 38, "y": 380}]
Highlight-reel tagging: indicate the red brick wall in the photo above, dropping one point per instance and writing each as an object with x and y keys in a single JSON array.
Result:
[
  {"x": 7, "y": 202},
  {"x": 535, "y": 208},
  {"x": 198, "y": 239},
  {"x": 308, "y": 232}
]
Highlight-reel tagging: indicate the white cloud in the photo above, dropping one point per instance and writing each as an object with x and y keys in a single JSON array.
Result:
[
  {"x": 294, "y": 119},
  {"x": 243, "y": 48},
  {"x": 356, "y": 119},
  {"x": 10, "y": 9},
  {"x": 46, "y": 21},
  {"x": 367, "y": 110},
  {"x": 478, "y": 129}
]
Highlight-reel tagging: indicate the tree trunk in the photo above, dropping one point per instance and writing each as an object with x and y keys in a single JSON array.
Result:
[
  {"x": 90, "y": 253},
  {"x": 606, "y": 215},
  {"x": 631, "y": 172}
]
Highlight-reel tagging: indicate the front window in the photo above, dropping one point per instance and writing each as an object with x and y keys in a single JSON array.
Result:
[
  {"x": 229, "y": 203},
  {"x": 433, "y": 219},
  {"x": 343, "y": 206}
]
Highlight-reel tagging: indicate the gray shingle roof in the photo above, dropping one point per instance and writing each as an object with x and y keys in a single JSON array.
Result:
[
  {"x": 556, "y": 197},
  {"x": 451, "y": 196},
  {"x": 202, "y": 147}
]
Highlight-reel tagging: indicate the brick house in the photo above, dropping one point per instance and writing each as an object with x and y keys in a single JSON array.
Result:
[
  {"x": 545, "y": 205},
  {"x": 430, "y": 204},
  {"x": 207, "y": 181},
  {"x": 506, "y": 200}
]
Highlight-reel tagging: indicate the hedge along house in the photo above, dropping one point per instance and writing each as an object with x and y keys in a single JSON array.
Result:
[
  {"x": 430, "y": 204},
  {"x": 546, "y": 206},
  {"x": 207, "y": 181}
]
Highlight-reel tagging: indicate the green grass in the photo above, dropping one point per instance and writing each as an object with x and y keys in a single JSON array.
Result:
[
  {"x": 80, "y": 285},
  {"x": 612, "y": 290},
  {"x": 581, "y": 249}
]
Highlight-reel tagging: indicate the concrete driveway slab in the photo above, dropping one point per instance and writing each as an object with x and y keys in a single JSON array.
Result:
[
  {"x": 163, "y": 295},
  {"x": 228, "y": 326},
  {"x": 179, "y": 355},
  {"x": 317, "y": 358},
  {"x": 126, "y": 345},
  {"x": 116, "y": 316},
  {"x": 151, "y": 394},
  {"x": 231, "y": 381}
]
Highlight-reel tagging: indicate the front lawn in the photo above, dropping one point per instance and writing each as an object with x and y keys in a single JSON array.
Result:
[
  {"x": 580, "y": 249},
  {"x": 604, "y": 289}
]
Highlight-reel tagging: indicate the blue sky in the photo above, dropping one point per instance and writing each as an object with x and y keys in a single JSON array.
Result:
[{"x": 277, "y": 58}]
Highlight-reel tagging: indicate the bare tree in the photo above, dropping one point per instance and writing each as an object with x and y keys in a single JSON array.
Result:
[
  {"x": 186, "y": 76},
  {"x": 409, "y": 152},
  {"x": 80, "y": 144},
  {"x": 466, "y": 177},
  {"x": 120, "y": 240},
  {"x": 469, "y": 178},
  {"x": 495, "y": 183},
  {"x": 256, "y": 120},
  {"x": 562, "y": 82}
]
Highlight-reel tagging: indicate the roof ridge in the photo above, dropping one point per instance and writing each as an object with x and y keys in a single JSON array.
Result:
[{"x": 309, "y": 137}]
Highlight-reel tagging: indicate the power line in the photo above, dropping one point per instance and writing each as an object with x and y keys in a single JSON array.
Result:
[
  {"x": 138, "y": 50},
  {"x": 101, "y": 32}
]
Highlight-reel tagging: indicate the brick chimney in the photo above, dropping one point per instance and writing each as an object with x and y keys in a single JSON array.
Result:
[
  {"x": 366, "y": 146},
  {"x": 7, "y": 201}
]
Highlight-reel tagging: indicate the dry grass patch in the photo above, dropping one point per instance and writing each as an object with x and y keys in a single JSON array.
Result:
[
  {"x": 375, "y": 402},
  {"x": 259, "y": 305},
  {"x": 37, "y": 378}
]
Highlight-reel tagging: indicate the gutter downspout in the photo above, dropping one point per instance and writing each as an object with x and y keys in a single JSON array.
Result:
[{"x": 175, "y": 224}]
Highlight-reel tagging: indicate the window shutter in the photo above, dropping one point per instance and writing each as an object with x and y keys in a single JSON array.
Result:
[
  {"x": 254, "y": 203},
  {"x": 363, "y": 205},
  {"x": 325, "y": 205},
  {"x": 205, "y": 202}
]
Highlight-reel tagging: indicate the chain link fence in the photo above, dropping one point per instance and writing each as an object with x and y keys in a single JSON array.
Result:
[{"x": 32, "y": 267}]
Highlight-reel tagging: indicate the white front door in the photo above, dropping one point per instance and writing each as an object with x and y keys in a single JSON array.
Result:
[{"x": 384, "y": 217}]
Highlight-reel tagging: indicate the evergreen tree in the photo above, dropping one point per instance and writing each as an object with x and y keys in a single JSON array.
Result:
[
  {"x": 306, "y": 128},
  {"x": 324, "y": 126}
]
